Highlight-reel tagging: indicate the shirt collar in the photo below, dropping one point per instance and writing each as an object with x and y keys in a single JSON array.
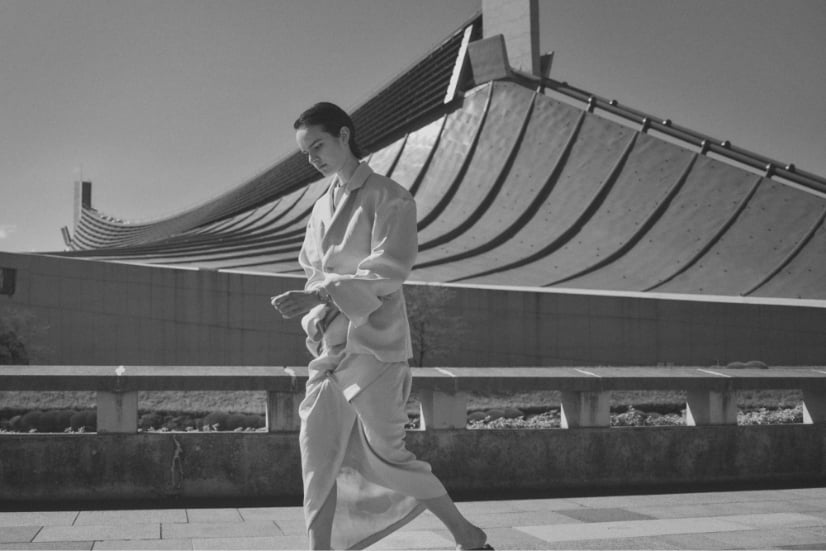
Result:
[{"x": 362, "y": 172}]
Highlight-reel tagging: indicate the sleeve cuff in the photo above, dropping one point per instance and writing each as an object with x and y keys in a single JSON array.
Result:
[{"x": 357, "y": 303}]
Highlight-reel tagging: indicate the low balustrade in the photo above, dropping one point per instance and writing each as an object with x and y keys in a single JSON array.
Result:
[{"x": 443, "y": 392}]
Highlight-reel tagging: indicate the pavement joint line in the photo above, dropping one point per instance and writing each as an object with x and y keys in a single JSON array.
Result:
[
  {"x": 445, "y": 371},
  {"x": 588, "y": 373},
  {"x": 40, "y": 529},
  {"x": 714, "y": 373}
]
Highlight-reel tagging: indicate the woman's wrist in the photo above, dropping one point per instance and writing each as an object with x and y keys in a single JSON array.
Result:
[{"x": 322, "y": 295}]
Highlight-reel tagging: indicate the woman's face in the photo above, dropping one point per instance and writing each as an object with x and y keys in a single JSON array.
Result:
[{"x": 327, "y": 153}]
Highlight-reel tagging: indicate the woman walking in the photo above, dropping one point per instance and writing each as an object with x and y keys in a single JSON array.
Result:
[{"x": 360, "y": 481}]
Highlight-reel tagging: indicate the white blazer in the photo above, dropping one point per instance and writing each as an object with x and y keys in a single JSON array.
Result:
[{"x": 360, "y": 253}]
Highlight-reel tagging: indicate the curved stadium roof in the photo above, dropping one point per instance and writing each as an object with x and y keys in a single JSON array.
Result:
[{"x": 515, "y": 187}]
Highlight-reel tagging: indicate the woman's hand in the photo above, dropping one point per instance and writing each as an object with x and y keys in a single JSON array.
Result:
[{"x": 295, "y": 303}]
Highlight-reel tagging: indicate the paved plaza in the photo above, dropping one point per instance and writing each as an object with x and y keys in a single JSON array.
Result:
[{"x": 759, "y": 519}]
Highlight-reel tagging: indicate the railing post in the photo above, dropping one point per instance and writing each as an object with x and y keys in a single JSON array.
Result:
[
  {"x": 117, "y": 412},
  {"x": 282, "y": 411},
  {"x": 441, "y": 410},
  {"x": 585, "y": 409},
  {"x": 710, "y": 407},
  {"x": 814, "y": 406}
]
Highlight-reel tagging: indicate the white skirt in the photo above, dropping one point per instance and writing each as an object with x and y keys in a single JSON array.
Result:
[{"x": 357, "y": 447}]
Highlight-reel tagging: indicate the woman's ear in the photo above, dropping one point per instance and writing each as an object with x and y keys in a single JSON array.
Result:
[{"x": 344, "y": 134}]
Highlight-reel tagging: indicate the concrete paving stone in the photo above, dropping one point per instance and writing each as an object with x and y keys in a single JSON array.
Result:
[
  {"x": 767, "y": 539},
  {"x": 425, "y": 521},
  {"x": 819, "y": 531},
  {"x": 414, "y": 539},
  {"x": 272, "y": 513},
  {"x": 148, "y": 531},
  {"x": 507, "y": 538},
  {"x": 542, "y": 504},
  {"x": 603, "y": 515},
  {"x": 221, "y": 530},
  {"x": 38, "y": 518},
  {"x": 709, "y": 509},
  {"x": 729, "y": 497},
  {"x": 786, "y": 506},
  {"x": 531, "y": 518},
  {"x": 704, "y": 542},
  {"x": 182, "y": 544},
  {"x": 629, "y": 529},
  {"x": 510, "y": 506},
  {"x": 57, "y": 546},
  {"x": 821, "y": 514},
  {"x": 801, "y": 505},
  {"x": 291, "y": 527},
  {"x": 131, "y": 516},
  {"x": 291, "y": 542},
  {"x": 770, "y": 521},
  {"x": 655, "y": 500},
  {"x": 18, "y": 534},
  {"x": 602, "y": 502},
  {"x": 749, "y": 495},
  {"x": 625, "y": 543},
  {"x": 214, "y": 515},
  {"x": 817, "y": 493},
  {"x": 279, "y": 542}
]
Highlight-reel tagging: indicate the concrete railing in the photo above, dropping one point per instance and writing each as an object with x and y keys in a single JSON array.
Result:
[
  {"x": 443, "y": 392},
  {"x": 119, "y": 463}
]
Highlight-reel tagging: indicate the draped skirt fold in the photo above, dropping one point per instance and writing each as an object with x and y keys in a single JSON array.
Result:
[{"x": 352, "y": 442}]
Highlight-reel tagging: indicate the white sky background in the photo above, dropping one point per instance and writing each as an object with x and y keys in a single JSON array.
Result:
[{"x": 165, "y": 104}]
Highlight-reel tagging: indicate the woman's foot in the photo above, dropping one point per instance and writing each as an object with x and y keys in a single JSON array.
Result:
[
  {"x": 466, "y": 534},
  {"x": 474, "y": 539}
]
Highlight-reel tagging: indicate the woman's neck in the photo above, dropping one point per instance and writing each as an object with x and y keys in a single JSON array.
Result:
[{"x": 346, "y": 172}]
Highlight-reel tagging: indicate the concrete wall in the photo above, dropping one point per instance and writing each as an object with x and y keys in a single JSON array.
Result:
[
  {"x": 108, "y": 313},
  {"x": 256, "y": 466},
  {"x": 581, "y": 328}
]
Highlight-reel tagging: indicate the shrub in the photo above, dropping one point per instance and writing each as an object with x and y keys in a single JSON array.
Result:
[
  {"x": 434, "y": 332},
  {"x": 12, "y": 349},
  {"x": 49, "y": 422},
  {"x": 20, "y": 330},
  {"x": 85, "y": 420},
  {"x": 236, "y": 421},
  {"x": 631, "y": 418},
  {"x": 15, "y": 423},
  {"x": 32, "y": 421},
  {"x": 765, "y": 416},
  {"x": 216, "y": 420},
  {"x": 254, "y": 421},
  {"x": 150, "y": 421},
  {"x": 64, "y": 420}
]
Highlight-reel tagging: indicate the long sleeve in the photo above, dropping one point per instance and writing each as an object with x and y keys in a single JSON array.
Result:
[
  {"x": 310, "y": 257},
  {"x": 394, "y": 246},
  {"x": 310, "y": 260},
  {"x": 360, "y": 255}
]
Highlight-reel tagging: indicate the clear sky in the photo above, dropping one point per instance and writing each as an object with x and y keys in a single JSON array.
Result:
[{"x": 165, "y": 104}]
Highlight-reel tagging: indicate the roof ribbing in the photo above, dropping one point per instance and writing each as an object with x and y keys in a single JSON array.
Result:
[
  {"x": 417, "y": 93},
  {"x": 516, "y": 188}
]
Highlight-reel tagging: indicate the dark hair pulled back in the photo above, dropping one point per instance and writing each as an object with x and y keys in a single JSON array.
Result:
[{"x": 332, "y": 119}]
